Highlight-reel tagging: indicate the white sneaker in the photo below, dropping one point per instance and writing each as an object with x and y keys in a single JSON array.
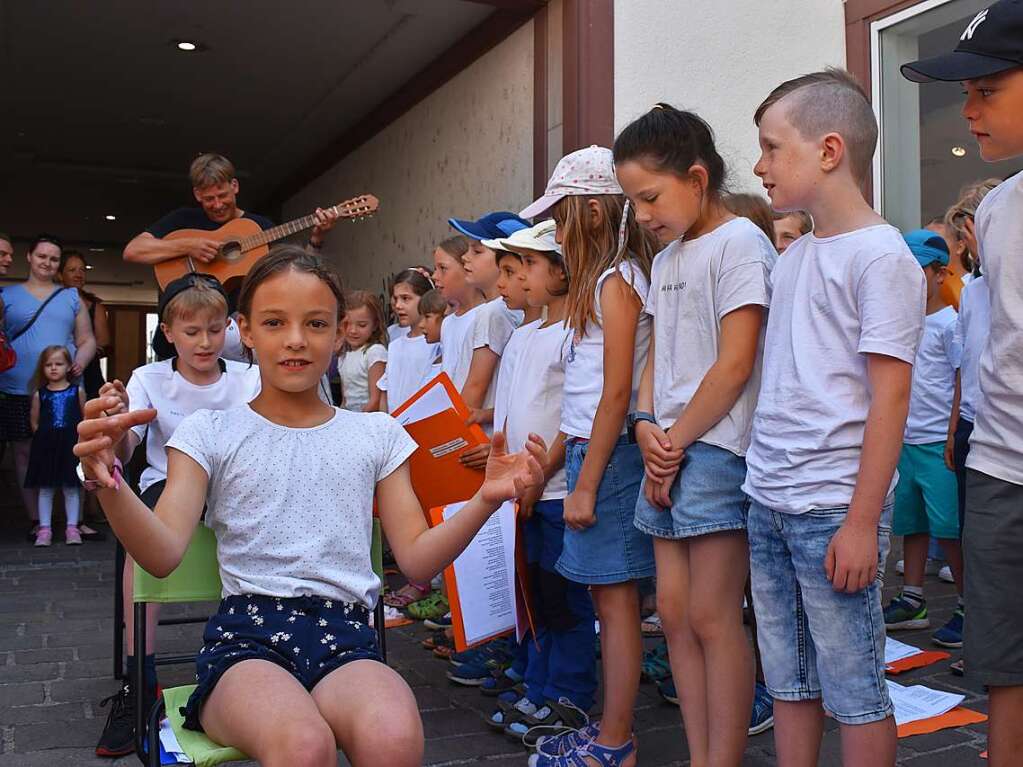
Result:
[
  {"x": 931, "y": 567},
  {"x": 945, "y": 574}
]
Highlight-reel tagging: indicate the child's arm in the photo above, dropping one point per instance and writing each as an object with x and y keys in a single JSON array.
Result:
[
  {"x": 851, "y": 561},
  {"x": 376, "y": 370},
  {"x": 481, "y": 373},
  {"x": 126, "y": 446},
  {"x": 953, "y": 424},
  {"x": 33, "y": 413},
  {"x": 422, "y": 552},
  {"x": 654, "y": 443},
  {"x": 382, "y": 404},
  {"x": 620, "y": 307},
  {"x": 551, "y": 464},
  {"x": 157, "y": 541},
  {"x": 724, "y": 381}
]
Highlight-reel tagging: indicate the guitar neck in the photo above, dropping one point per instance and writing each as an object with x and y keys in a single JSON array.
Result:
[{"x": 278, "y": 232}]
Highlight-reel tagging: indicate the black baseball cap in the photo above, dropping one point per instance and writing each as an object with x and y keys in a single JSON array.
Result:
[
  {"x": 181, "y": 284},
  {"x": 991, "y": 43}
]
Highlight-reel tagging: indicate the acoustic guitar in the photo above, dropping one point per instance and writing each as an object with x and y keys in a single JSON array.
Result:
[{"x": 242, "y": 242}]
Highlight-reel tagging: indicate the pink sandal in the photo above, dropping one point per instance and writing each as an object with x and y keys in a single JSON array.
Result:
[{"x": 405, "y": 596}]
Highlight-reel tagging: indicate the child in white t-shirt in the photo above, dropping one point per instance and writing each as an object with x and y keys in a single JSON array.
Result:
[
  {"x": 464, "y": 300},
  {"x": 291, "y": 638},
  {"x": 363, "y": 356},
  {"x": 709, "y": 291},
  {"x": 434, "y": 308},
  {"x": 926, "y": 497},
  {"x": 847, "y": 308},
  {"x": 193, "y": 313},
  {"x": 409, "y": 353}
]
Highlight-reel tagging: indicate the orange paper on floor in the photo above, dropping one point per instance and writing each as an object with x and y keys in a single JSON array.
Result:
[
  {"x": 435, "y": 418},
  {"x": 924, "y": 658},
  {"x": 957, "y": 717}
]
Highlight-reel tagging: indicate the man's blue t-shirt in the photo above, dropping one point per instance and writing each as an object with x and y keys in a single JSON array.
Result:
[{"x": 196, "y": 218}]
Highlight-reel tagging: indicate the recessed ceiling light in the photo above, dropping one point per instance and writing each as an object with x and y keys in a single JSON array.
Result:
[
  {"x": 110, "y": 217},
  {"x": 186, "y": 45},
  {"x": 95, "y": 250},
  {"x": 959, "y": 151},
  {"x": 88, "y": 266}
]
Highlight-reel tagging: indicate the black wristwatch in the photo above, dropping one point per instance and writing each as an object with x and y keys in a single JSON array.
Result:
[{"x": 633, "y": 418}]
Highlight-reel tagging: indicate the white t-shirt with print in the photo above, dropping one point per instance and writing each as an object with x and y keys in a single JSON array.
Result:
[
  {"x": 833, "y": 301},
  {"x": 353, "y": 368},
  {"x": 537, "y": 389},
  {"x": 409, "y": 360},
  {"x": 693, "y": 284},
  {"x": 972, "y": 331},
  {"x": 934, "y": 380},
  {"x": 456, "y": 345},
  {"x": 159, "y": 385},
  {"x": 292, "y": 509},
  {"x": 584, "y": 371},
  {"x": 995, "y": 445},
  {"x": 512, "y": 351}
]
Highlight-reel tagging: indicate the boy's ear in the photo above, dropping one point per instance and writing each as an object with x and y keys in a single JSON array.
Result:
[
  {"x": 165, "y": 329},
  {"x": 832, "y": 152}
]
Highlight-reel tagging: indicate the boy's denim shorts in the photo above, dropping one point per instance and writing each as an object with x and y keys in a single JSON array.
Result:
[
  {"x": 612, "y": 550},
  {"x": 706, "y": 496},
  {"x": 306, "y": 636},
  {"x": 817, "y": 643}
]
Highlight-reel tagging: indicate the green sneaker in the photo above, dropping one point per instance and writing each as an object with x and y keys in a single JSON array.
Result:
[
  {"x": 902, "y": 614},
  {"x": 432, "y": 607}
]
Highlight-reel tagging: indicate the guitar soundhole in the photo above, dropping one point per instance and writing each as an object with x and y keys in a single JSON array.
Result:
[{"x": 231, "y": 251}]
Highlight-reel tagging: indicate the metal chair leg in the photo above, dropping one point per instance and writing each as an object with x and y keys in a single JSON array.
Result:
[
  {"x": 119, "y": 560},
  {"x": 139, "y": 691},
  {"x": 153, "y": 735},
  {"x": 378, "y": 619}
]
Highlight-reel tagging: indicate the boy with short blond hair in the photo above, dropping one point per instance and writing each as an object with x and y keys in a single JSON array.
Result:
[
  {"x": 846, "y": 317},
  {"x": 988, "y": 61}
]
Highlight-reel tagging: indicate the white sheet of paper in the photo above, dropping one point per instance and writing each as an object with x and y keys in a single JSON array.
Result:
[
  {"x": 170, "y": 743},
  {"x": 918, "y": 702},
  {"x": 894, "y": 650},
  {"x": 485, "y": 574},
  {"x": 435, "y": 400}
]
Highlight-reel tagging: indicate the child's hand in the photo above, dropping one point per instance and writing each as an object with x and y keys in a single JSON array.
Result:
[
  {"x": 99, "y": 434},
  {"x": 529, "y": 499},
  {"x": 579, "y": 510},
  {"x": 950, "y": 460},
  {"x": 658, "y": 490},
  {"x": 480, "y": 415},
  {"x": 511, "y": 476},
  {"x": 851, "y": 561},
  {"x": 661, "y": 459},
  {"x": 115, "y": 389},
  {"x": 475, "y": 457}
]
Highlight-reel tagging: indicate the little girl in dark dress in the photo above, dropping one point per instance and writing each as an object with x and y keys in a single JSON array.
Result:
[{"x": 57, "y": 407}]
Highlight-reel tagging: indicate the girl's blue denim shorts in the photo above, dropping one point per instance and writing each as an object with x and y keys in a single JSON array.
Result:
[
  {"x": 612, "y": 550},
  {"x": 706, "y": 496},
  {"x": 306, "y": 636}
]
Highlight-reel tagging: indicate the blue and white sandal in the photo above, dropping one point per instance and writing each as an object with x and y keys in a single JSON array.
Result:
[{"x": 603, "y": 756}]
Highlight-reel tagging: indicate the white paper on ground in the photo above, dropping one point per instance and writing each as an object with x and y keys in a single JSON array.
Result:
[
  {"x": 435, "y": 400},
  {"x": 918, "y": 702},
  {"x": 170, "y": 743},
  {"x": 894, "y": 650},
  {"x": 485, "y": 575}
]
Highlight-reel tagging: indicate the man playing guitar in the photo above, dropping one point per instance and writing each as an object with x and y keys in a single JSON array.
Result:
[{"x": 215, "y": 187}]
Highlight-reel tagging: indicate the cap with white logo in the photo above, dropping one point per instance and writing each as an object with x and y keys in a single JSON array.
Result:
[{"x": 991, "y": 43}]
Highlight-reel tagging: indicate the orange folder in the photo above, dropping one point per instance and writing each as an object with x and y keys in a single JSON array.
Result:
[
  {"x": 925, "y": 658},
  {"x": 957, "y": 717},
  {"x": 438, "y": 478}
]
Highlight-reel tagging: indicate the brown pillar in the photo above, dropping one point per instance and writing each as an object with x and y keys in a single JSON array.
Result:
[{"x": 588, "y": 41}]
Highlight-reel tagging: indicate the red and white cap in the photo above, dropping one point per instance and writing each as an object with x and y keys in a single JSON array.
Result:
[{"x": 586, "y": 171}]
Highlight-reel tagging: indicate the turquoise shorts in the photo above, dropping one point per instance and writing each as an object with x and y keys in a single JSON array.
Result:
[{"x": 927, "y": 496}]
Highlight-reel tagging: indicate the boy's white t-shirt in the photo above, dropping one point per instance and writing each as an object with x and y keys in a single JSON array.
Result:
[
  {"x": 996, "y": 447},
  {"x": 158, "y": 385},
  {"x": 509, "y": 359},
  {"x": 456, "y": 345},
  {"x": 353, "y": 368},
  {"x": 584, "y": 371},
  {"x": 409, "y": 362},
  {"x": 395, "y": 331},
  {"x": 297, "y": 519},
  {"x": 972, "y": 331},
  {"x": 693, "y": 284},
  {"x": 233, "y": 349},
  {"x": 537, "y": 389},
  {"x": 934, "y": 380},
  {"x": 833, "y": 301}
]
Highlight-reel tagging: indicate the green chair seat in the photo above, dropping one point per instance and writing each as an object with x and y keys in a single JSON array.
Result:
[{"x": 200, "y": 749}]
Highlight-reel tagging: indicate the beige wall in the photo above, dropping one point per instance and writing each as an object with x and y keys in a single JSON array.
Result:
[
  {"x": 465, "y": 150},
  {"x": 720, "y": 59}
]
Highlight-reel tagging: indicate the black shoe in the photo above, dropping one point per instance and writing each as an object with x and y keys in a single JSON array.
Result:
[{"x": 118, "y": 738}]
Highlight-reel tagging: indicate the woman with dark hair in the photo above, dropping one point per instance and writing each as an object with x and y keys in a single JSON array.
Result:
[{"x": 72, "y": 275}]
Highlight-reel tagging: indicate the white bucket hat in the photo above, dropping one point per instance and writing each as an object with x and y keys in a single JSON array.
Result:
[
  {"x": 583, "y": 172},
  {"x": 539, "y": 237}
]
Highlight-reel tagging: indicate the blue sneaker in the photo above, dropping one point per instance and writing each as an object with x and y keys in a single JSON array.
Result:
[
  {"x": 667, "y": 690},
  {"x": 902, "y": 614},
  {"x": 492, "y": 651},
  {"x": 499, "y": 683},
  {"x": 470, "y": 674},
  {"x": 762, "y": 718},
  {"x": 951, "y": 634}
]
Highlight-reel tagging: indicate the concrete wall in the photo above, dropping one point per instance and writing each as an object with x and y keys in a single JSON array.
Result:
[
  {"x": 463, "y": 151},
  {"x": 720, "y": 59}
]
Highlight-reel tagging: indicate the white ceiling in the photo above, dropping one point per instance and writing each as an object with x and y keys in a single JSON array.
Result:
[{"x": 100, "y": 114}]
